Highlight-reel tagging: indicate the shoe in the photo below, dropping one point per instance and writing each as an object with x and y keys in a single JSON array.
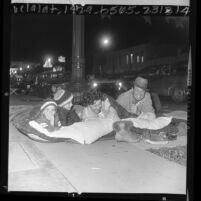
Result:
[
  {"x": 126, "y": 136},
  {"x": 182, "y": 127},
  {"x": 123, "y": 132},
  {"x": 171, "y": 136}
]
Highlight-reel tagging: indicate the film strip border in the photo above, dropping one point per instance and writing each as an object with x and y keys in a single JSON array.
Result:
[{"x": 102, "y": 10}]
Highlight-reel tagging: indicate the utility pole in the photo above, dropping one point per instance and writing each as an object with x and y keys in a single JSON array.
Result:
[
  {"x": 78, "y": 83},
  {"x": 78, "y": 57}
]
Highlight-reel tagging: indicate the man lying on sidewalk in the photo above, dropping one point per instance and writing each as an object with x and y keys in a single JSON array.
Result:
[{"x": 137, "y": 100}]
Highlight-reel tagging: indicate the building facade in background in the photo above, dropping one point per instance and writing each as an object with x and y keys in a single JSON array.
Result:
[{"x": 137, "y": 58}]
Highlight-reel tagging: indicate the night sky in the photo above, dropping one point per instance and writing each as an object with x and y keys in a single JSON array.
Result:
[{"x": 34, "y": 37}]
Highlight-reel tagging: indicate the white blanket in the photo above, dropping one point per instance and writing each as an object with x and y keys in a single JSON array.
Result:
[
  {"x": 89, "y": 131},
  {"x": 83, "y": 132}
]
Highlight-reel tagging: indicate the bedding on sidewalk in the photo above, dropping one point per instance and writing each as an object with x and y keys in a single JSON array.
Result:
[{"x": 81, "y": 132}]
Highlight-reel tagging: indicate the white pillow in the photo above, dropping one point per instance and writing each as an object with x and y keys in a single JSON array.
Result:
[
  {"x": 83, "y": 132},
  {"x": 152, "y": 124},
  {"x": 64, "y": 132}
]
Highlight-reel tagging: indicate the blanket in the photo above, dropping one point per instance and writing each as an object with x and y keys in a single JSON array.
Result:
[
  {"x": 176, "y": 154},
  {"x": 81, "y": 132}
]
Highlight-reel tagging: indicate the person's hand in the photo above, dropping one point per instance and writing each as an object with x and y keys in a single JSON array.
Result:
[
  {"x": 52, "y": 121},
  {"x": 43, "y": 125},
  {"x": 135, "y": 110},
  {"x": 147, "y": 115},
  {"x": 105, "y": 106},
  {"x": 112, "y": 114}
]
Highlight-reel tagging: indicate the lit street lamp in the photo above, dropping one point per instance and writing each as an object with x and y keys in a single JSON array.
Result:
[{"x": 105, "y": 41}]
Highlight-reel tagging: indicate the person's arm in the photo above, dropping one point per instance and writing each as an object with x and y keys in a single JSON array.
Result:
[
  {"x": 124, "y": 101},
  {"x": 121, "y": 111},
  {"x": 108, "y": 111},
  {"x": 146, "y": 107},
  {"x": 62, "y": 116},
  {"x": 72, "y": 117},
  {"x": 79, "y": 111},
  {"x": 121, "y": 100}
]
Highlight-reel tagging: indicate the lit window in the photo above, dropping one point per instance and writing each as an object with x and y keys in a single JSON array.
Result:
[
  {"x": 138, "y": 59},
  {"x": 127, "y": 59},
  {"x": 142, "y": 59},
  {"x": 131, "y": 58},
  {"x": 54, "y": 75}
]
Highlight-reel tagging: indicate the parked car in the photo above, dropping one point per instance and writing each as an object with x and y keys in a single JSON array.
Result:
[{"x": 112, "y": 87}]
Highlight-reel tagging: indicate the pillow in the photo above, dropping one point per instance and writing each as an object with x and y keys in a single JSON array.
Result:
[
  {"x": 62, "y": 133},
  {"x": 83, "y": 132},
  {"x": 152, "y": 124}
]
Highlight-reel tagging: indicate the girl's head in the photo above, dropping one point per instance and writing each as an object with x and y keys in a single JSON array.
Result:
[{"x": 48, "y": 109}]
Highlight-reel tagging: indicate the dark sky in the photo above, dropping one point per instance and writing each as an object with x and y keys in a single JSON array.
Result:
[{"x": 33, "y": 37}]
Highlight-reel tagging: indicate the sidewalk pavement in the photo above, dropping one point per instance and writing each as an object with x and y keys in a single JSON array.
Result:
[
  {"x": 105, "y": 166},
  {"x": 29, "y": 169}
]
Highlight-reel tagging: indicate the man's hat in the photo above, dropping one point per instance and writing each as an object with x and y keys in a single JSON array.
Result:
[
  {"x": 62, "y": 97},
  {"x": 141, "y": 83}
]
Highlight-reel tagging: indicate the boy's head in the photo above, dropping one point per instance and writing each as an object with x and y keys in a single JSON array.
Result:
[
  {"x": 93, "y": 100},
  {"x": 64, "y": 98}
]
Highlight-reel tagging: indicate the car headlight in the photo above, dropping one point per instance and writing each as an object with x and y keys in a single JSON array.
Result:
[{"x": 119, "y": 85}]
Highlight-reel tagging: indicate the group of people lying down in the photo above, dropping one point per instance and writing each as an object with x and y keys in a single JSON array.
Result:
[{"x": 97, "y": 115}]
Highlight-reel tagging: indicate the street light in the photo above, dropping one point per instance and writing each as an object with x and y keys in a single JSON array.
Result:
[
  {"x": 105, "y": 41},
  {"x": 20, "y": 68},
  {"x": 28, "y": 66}
]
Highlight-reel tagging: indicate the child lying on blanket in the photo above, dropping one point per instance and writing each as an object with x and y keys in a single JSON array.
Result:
[
  {"x": 65, "y": 110},
  {"x": 46, "y": 116}
]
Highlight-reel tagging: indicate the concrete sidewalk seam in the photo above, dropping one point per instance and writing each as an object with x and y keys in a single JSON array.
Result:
[{"x": 44, "y": 162}]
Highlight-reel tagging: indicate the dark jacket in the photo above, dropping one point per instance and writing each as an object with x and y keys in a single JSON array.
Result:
[{"x": 67, "y": 117}]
